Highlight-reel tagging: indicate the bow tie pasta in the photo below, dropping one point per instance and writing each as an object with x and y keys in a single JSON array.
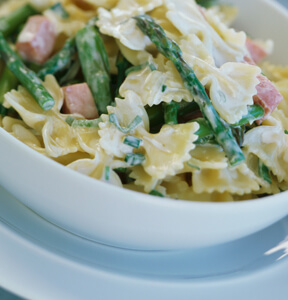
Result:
[{"x": 157, "y": 96}]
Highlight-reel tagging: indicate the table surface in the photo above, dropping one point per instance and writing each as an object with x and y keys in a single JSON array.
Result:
[{"x": 5, "y": 295}]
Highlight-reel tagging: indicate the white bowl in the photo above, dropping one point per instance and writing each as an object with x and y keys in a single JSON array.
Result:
[{"x": 115, "y": 216}]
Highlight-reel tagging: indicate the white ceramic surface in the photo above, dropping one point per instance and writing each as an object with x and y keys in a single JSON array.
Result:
[
  {"x": 115, "y": 216},
  {"x": 40, "y": 261}
]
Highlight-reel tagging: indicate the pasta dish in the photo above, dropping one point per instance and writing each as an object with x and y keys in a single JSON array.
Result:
[{"x": 158, "y": 96}]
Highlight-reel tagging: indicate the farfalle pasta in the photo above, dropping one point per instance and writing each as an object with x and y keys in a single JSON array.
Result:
[{"x": 156, "y": 96}]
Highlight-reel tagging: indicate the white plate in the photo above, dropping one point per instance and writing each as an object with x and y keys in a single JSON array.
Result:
[
  {"x": 101, "y": 212},
  {"x": 40, "y": 261}
]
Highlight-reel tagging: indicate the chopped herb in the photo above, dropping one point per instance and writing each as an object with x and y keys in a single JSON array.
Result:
[
  {"x": 286, "y": 131},
  {"x": 69, "y": 120},
  {"x": 156, "y": 193},
  {"x": 264, "y": 171},
  {"x": 164, "y": 87},
  {"x": 83, "y": 123},
  {"x": 134, "y": 123},
  {"x": 152, "y": 67},
  {"x": 107, "y": 173},
  {"x": 60, "y": 11},
  {"x": 193, "y": 166},
  {"x": 132, "y": 141},
  {"x": 135, "y": 159}
]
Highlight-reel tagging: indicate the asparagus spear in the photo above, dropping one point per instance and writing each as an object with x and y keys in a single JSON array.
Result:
[
  {"x": 10, "y": 23},
  {"x": 186, "y": 109},
  {"x": 27, "y": 77},
  {"x": 122, "y": 65},
  {"x": 171, "y": 112},
  {"x": 156, "y": 117},
  {"x": 69, "y": 76},
  {"x": 2, "y": 66},
  {"x": 60, "y": 60},
  {"x": 184, "y": 113},
  {"x": 172, "y": 51},
  {"x": 95, "y": 66},
  {"x": 8, "y": 81},
  {"x": 255, "y": 112}
]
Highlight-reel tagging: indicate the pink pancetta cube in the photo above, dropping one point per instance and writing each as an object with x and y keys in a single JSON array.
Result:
[
  {"x": 78, "y": 99},
  {"x": 256, "y": 52},
  {"x": 36, "y": 40},
  {"x": 267, "y": 96}
]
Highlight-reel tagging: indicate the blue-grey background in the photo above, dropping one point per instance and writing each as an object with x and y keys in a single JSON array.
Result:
[{"x": 5, "y": 295}]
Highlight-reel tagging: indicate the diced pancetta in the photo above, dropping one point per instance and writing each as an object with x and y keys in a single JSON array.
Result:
[
  {"x": 36, "y": 40},
  {"x": 267, "y": 96},
  {"x": 255, "y": 50},
  {"x": 78, "y": 99}
]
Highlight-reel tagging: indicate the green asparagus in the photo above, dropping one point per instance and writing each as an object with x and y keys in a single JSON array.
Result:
[
  {"x": 140, "y": 67},
  {"x": 60, "y": 60},
  {"x": 8, "y": 81},
  {"x": 171, "y": 112},
  {"x": 185, "y": 112},
  {"x": 10, "y": 23},
  {"x": 2, "y": 65},
  {"x": 255, "y": 112},
  {"x": 26, "y": 76},
  {"x": 70, "y": 76},
  {"x": 95, "y": 66},
  {"x": 122, "y": 65},
  {"x": 172, "y": 51},
  {"x": 188, "y": 111}
]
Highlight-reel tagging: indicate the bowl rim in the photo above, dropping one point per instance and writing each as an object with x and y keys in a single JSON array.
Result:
[
  {"x": 225, "y": 220},
  {"x": 145, "y": 198}
]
